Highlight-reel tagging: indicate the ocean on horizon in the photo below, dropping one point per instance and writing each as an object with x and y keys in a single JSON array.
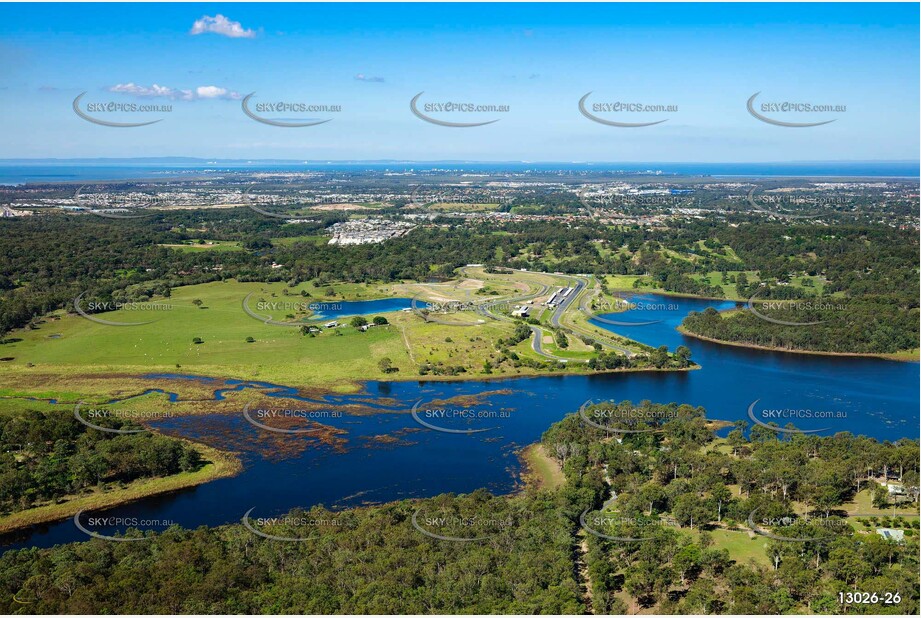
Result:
[{"x": 18, "y": 174}]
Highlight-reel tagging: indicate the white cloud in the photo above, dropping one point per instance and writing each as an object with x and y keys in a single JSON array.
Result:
[
  {"x": 144, "y": 91},
  {"x": 221, "y": 25},
  {"x": 215, "y": 92},
  {"x": 368, "y": 78},
  {"x": 157, "y": 91}
]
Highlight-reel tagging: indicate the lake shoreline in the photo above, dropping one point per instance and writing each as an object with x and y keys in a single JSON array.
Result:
[
  {"x": 641, "y": 291},
  {"x": 221, "y": 464},
  {"x": 390, "y": 440},
  {"x": 539, "y": 470},
  {"x": 883, "y": 356},
  {"x": 352, "y": 387}
]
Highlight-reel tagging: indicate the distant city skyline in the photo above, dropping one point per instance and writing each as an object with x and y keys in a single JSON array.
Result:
[{"x": 700, "y": 65}]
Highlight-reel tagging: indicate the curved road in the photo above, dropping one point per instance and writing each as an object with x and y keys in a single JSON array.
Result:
[
  {"x": 578, "y": 285},
  {"x": 564, "y": 304}
]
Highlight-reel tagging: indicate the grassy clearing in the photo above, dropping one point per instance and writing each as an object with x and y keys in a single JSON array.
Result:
[
  {"x": 167, "y": 342},
  {"x": 718, "y": 445},
  {"x": 726, "y": 252},
  {"x": 277, "y": 353},
  {"x": 906, "y": 355},
  {"x": 72, "y": 359},
  {"x": 628, "y": 283},
  {"x": 292, "y": 240},
  {"x": 462, "y": 207},
  {"x": 715, "y": 278},
  {"x": 219, "y": 465},
  {"x": 541, "y": 470},
  {"x": 455, "y": 345},
  {"x": 206, "y": 245},
  {"x": 863, "y": 504},
  {"x": 524, "y": 350},
  {"x": 743, "y": 546}
]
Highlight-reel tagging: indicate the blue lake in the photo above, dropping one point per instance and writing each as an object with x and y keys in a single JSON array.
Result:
[
  {"x": 384, "y": 454},
  {"x": 331, "y": 310}
]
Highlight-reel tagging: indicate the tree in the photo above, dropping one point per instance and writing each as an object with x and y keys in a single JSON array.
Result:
[
  {"x": 380, "y": 320},
  {"x": 880, "y": 497},
  {"x": 683, "y": 353},
  {"x": 736, "y": 437},
  {"x": 197, "y": 340},
  {"x": 358, "y": 321},
  {"x": 385, "y": 364},
  {"x": 561, "y": 339},
  {"x": 687, "y": 562},
  {"x": 742, "y": 284},
  {"x": 848, "y": 565},
  {"x": 722, "y": 495},
  {"x": 649, "y": 495},
  {"x": 659, "y": 358},
  {"x": 701, "y": 598},
  {"x": 689, "y": 510}
]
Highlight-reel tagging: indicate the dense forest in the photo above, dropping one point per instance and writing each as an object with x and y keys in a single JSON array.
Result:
[
  {"x": 869, "y": 303},
  {"x": 521, "y": 552},
  {"x": 46, "y": 456},
  {"x": 876, "y": 324},
  {"x": 367, "y": 561},
  {"x": 677, "y": 488}
]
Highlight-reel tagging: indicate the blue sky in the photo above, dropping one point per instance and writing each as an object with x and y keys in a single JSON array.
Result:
[{"x": 538, "y": 59}]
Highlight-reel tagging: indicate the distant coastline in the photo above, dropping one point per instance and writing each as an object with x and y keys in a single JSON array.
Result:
[{"x": 35, "y": 171}]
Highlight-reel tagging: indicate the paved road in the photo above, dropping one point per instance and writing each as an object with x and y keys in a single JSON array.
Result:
[
  {"x": 578, "y": 285},
  {"x": 536, "y": 342},
  {"x": 564, "y": 306},
  {"x": 537, "y": 346},
  {"x": 485, "y": 309},
  {"x": 537, "y": 333}
]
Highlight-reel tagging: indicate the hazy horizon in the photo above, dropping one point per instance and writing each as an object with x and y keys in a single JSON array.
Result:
[{"x": 179, "y": 158}]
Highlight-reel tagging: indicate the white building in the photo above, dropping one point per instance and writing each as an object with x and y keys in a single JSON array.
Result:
[{"x": 892, "y": 534}]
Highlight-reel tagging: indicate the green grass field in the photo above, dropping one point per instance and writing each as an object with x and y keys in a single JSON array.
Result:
[
  {"x": 542, "y": 471},
  {"x": 625, "y": 283},
  {"x": 70, "y": 358},
  {"x": 206, "y": 245},
  {"x": 863, "y": 504},
  {"x": 287, "y": 241},
  {"x": 726, "y": 252},
  {"x": 743, "y": 547},
  {"x": 729, "y": 289},
  {"x": 73, "y": 344}
]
